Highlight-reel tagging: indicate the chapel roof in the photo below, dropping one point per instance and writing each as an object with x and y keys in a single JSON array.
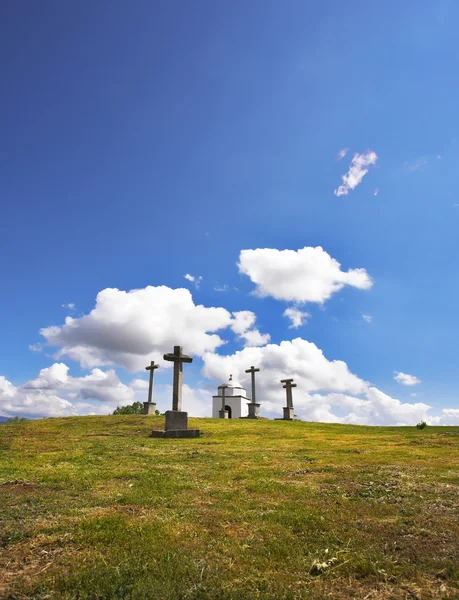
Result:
[{"x": 231, "y": 384}]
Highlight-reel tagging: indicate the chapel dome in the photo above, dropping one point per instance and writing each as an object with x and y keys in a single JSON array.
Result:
[
  {"x": 231, "y": 384},
  {"x": 233, "y": 388}
]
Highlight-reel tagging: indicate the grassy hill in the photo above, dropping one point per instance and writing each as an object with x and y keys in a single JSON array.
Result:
[{"x": 91, "y": 507}]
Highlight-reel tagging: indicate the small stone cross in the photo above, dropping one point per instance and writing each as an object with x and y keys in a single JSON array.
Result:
[
  {"x": 288, "y": 388},
  {"x": 151, "y": 368},
  {"x": 178, "y": 359}
]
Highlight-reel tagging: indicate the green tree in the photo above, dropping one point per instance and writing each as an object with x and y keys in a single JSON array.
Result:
[{"x": 130, "y": 409}]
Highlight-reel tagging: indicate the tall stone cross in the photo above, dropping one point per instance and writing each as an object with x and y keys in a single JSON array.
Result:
[
  {"x": 288, "y": 389},
  {"x": 178, "y": 359},
  {"x": 252, "y": 370},
  {"x": 151, "y": 368}
]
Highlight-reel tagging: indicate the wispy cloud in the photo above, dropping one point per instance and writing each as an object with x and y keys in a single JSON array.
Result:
[
  {"x": 405, "y": 379},
  {"x": 416, "y": 164},
  {"x": 297, "y": 317},
  {"x": 193, "y": 279},
  {"x": 36, "y": 347},
  {"x": 376, "y": 192},
  {"x": 342, "y": 153},
  {"x": 225, "y": 288},
  {"x": 70, "y": 306},
  {"x": 358, "y": 168},
  {"x": 367, "y": 318}
]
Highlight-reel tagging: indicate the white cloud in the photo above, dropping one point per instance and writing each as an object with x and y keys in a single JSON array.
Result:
[
  {"x": 326, "y": 390},
  {"x": 299, "y": 359},
  {"x": 49, "y": 378},
  {"x": 243, "y": 326},
  {"x": 70, "y": 306},
  {"x": 131, "y": 328},
  {"x": 54, "y": 393},
  {"x": 139, "y": 384},
  {"x": 193, "y": 279},
  {"x": 296, "y": 316},
  {"x": 196, "y": 401},
  {"x": 306, "y": 275},
  {"x": 376, "y": 192},
  {"x": 358, "y": 169},
  {"x": 342, "y": 153},
  {"x": 405, "y": 379},
  {"x": 449, "y": 416},
  {"x": 39, "y": 397},
  {"x": 367, "y": 318}
]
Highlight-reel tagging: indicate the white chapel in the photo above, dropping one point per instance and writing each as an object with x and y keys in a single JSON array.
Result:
[{"x": 235, "y": 400}]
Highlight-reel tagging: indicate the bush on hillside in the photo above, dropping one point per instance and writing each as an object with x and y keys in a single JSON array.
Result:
[
  {"x": 130, "y": 409},
  {"x": 421, "y": 425}
]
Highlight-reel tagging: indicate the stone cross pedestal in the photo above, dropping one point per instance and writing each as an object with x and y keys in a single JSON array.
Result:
[
  {"x": 254, "y": 407},
  {"x": 176, "y": 420},
  {"x": 288, "y": 410},
  {"x": 223, "y": 414},
  {"x": 149, "y": 408}
]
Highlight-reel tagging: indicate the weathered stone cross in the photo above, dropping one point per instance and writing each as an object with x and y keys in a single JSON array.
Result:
[
  {"x": 288, "y": 410},
  {"x": 252, "y": 370},
  {"x": 253, "y": 406},
  {"x": 288, "y": 388},
  {"x": 178, "y": 359},
  {"x": 151, "y": 368}
]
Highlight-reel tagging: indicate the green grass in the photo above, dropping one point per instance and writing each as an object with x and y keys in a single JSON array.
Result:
[{"x": 91, "y": 507}]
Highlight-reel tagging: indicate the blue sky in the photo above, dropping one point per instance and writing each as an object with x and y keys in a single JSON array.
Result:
[{"x": 144, "y": 141}]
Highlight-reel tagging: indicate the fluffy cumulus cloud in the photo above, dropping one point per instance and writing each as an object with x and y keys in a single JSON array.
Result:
[
  {"x": 299, "y": 358},
  {"x": 326, "y": 390},
  {"x": 54, "y": 393},
  {"x": 297, "y": 317},
  {"x": 405, "y": 379},
  {"x": 131, "y": 328},
  {"x": 358, "y": 168},
  {"x": 305, "y": 275}
]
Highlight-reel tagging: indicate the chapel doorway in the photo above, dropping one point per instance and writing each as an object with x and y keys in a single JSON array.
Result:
[{"x": 228, "y": 408}]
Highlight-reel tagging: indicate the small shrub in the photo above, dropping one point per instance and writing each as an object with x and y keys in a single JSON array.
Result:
[
  {"x": 17, "y": 420},
  {"x": 421, "y": 425},
  {"x": 132, "y": 409}
]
